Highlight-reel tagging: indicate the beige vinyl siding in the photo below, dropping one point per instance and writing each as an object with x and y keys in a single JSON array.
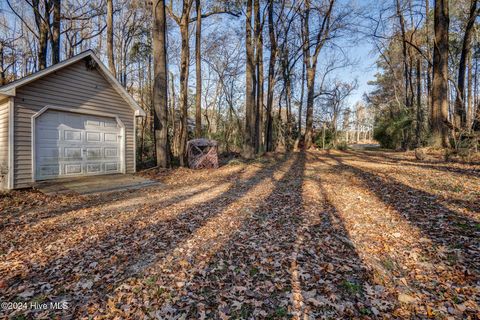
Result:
[
  {"x": 74, "y": 86},
  {"x": 4, "y": 113}
]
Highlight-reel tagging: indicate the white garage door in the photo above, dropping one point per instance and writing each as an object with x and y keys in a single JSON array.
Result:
[{"x": 71, "y": 144}]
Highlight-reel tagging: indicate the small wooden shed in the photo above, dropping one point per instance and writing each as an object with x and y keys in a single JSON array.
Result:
[{"x": 71, "y": 119}]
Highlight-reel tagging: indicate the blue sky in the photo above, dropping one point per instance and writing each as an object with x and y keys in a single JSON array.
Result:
[
  {"x": 364, "y": 71},
  {"x": 361, "y": 51}
]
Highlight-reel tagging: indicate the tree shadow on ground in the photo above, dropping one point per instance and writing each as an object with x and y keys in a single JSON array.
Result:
[
  {"x": 291, "y": 257},
  {"x": 433, "y": 165},
  {"x": 71, "y": 203},
  {"x": 441, "y": 225},
  {"x": 125, "y": 251},
  {"x": 472, "y": 205}
]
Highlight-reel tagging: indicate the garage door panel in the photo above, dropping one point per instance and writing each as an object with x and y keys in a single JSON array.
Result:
[
  {"x": 94, "y": 137},
  {"x": 69, "y": 144},
  {"x": 112, "y": 166},
  {"x": 71, "y": 135},
  {"x": 73, "y": 168},
  {"x": 92, "y": 123},
  {"x": 110, "y": 137},
  {"x": 110, "y": 124},
  {"x": 111, "y": 152},
  {"x": 49, "y": 171},
  {"x": 47, "y": 153},
  {"x": 94, "y": 167},
  {"x": 48, "y": 134},
  {"x": 73, "y": 121},
  {"x": 72, "y": 154},
  {"x": 94, "y": 153}
]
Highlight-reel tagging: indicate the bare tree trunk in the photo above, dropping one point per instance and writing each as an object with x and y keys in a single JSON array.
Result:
[
  {"x": 406, "y": 68},
  {"x": 475, "y": 90},
  {"x": 111, "y": 62},
  {"x": 250, "y": 114},
  {"x": 440, "y": 75},
  {"x": 288, "y": 100},
  {"x": 184, "y": 64},
  {"x": 198, "y": 70},
  {"x": 300, "y": 106},
  {"x": 420, "y": 120},
  {"x": 429, "y": 50},
  {"x": 160, "y": 88},
  {"x": 271, "y": 79},
  {"x": 173, "y": 115},
  {"x": 3, "y": 79},
  {"x": 56, "y": 31},
  {"x": 309, "y": 119},
  {"x": 460, "y": 111},
  {"x": 310, "y": 78},
  {"x": 259, "y": 71},
  {"x": 141, "y": 87},
  {"x": 150, "y": 99},
  {"x": 311, "y": 63},
  {"x": 469, "y": 91},
  {"x": 42, "y": 26}
]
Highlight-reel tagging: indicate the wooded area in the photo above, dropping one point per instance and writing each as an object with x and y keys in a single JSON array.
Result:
[
  {"x": 427, "y": 89},
  {"x": 266, "y": 72},
  {"x": 297, "y": 211}
]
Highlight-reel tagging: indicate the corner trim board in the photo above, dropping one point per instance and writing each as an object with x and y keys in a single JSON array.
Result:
[
  {"x": 134, "y": 143},
  {"x": 11, "y": 144}
]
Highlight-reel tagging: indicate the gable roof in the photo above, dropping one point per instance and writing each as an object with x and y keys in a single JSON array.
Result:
[{"x": 9, "y": 90}]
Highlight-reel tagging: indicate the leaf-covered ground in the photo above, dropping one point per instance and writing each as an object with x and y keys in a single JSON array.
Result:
[{"x": 353, "y": 234}]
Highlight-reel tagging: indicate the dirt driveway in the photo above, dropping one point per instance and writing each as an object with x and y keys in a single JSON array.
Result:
[{"x": 353, "y": 234}]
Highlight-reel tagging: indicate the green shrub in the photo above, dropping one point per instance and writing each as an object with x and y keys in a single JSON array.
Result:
[
  {"x": 342, "y": 146},
  {"x": 318, "y": 138},
  {"x": 391, "y": 132}
]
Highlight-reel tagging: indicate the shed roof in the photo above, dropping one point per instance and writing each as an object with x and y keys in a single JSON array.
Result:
[
  {"x": 9, "y": 90},
  {"x": 202, "y": 142}
]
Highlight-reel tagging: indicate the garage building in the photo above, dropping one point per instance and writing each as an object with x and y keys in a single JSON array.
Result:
[{"x": 69, "y": 120}]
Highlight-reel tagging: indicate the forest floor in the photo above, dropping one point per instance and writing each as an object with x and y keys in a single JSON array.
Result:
[{"x": 352, "y": 234}]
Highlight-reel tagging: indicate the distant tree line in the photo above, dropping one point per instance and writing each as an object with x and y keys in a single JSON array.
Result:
[{"x": 426, "y": 93}]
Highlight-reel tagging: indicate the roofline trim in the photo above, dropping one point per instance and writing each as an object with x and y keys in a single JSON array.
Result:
[{"x": 9, "y": 90}]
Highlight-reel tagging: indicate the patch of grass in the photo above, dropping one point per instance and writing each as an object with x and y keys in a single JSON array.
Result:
[
  {"x": 253, "y": 271},
  {"x": 365, "y": 311},
  {"x": 456, "y": 299},
  {"x": 351, "y": 287},
  {"x": 452, "y": 258},
  {"x": 457, "y": 188},
  {"x": 281, "y": 312},
  {"x": 388, "y": 264},
  {"x": 160, "y": 292},
  {"x": 463, "y": 226},
  {"x": 445, "y": 186},
  {"x": 245, "y": 312},
  {"x": 457, "y": 246},
  {"x": 136, "y": 289},
  {"x": 41, "y": 298},
  {"x": 235, "y": 162},
  {"x": 264, "y": 160},
  {"x": 151, "y": 281}
]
